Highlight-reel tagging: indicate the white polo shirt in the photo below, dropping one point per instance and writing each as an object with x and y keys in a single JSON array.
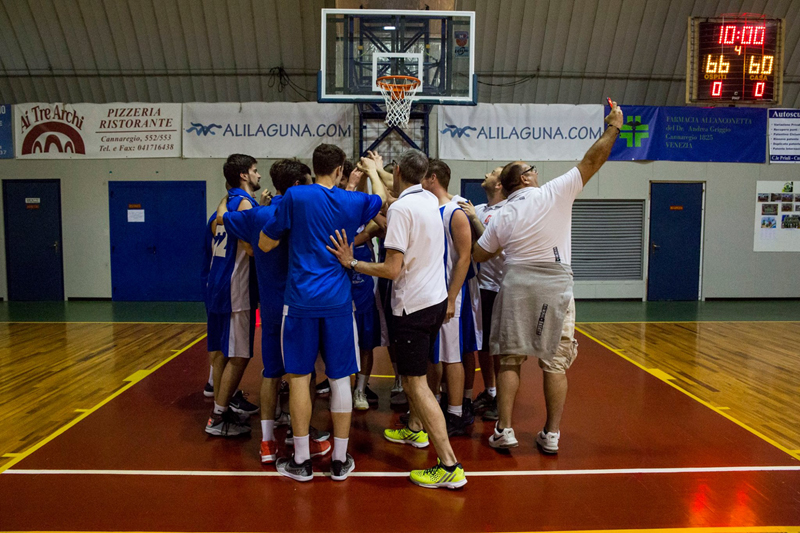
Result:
[
  {"x": 414, "y": 227},
  {"x": 491, "y": 272},
  {"x": 535, "y": 225}
]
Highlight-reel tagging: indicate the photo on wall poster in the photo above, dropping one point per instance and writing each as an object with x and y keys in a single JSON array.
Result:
[
  {"x": 787, "y": 197},
  {"x": 775, "y": 197},
  {"x": 786, "y": 207},
  {"x": 797, "y": 197},
  {"x": 768, "y": 223},
  {"x": 790, "y": 222},
  {"x": 769, "y": 209},
  {"x": 797, "y": 207},
  {"x": 764, "y": 197}
]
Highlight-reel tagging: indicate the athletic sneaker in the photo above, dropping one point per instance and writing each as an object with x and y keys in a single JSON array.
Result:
[
  {"x": 323, "y": 387},
  {"x": 503, "y": 439},
  {"x": 240, "y": 404},
  {"x": 372, "y": 398},
  {"x": 418, "y": 439},
  {"x": 467, "y": 414},
  {"x": 398, "y": 395},
  {"x": 360, "y": 402},
  {"x": 299, "y": 472},
  {"x": 318, "y": 435},
  {"x": 283, "y": 390},
  {"x": 482, "y": 402},
  {"x": 455, "y": 425},
  {"x": 285, "y": 419},
  {"x": 269, "y": 451},
  {"x": 440, "y": 476},
  {"x": 341, "y": 469},
  {"x": 208, "y": 390},
  {"x": 491, "y": 412},
  {"x": 548, "y": 442},
  {"x": 226, "y": 424},
  {"x": 316, "y": 446}
]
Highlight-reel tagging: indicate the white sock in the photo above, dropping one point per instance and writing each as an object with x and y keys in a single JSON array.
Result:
[
  {"x": 267, "y": 430},
  {"x": 492, "y": 391},
  {"x": 301, "y": 452},
  {"x": 339, "y": 449},
  {"x": 468, "y": 394},
  {"x": 211, "y": 376},
  {"x": 218, "y": 409},
  {"x": 361, "y": 382},
  {"x": 454, "y": 409}
]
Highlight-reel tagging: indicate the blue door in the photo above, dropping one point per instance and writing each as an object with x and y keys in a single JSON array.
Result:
[
  {"x": 157, "y": 239},
  {"x": 676, "y": 223},
  {"x": 471, "y": 190},
  {"x": 34, "y": 265}
]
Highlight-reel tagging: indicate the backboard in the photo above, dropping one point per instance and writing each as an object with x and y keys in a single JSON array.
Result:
[{"x": 361, "y": 45}]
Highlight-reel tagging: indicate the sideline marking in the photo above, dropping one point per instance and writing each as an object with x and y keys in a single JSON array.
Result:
[
  {"x": 696, "y": 398},
  {"x": 139, "y": 375},
  {"x": 4, "y": 468},
  {"x": 10, "y": 454},
  {"x": 740, "y": 529},
  {"x": 490, "y": 473}
]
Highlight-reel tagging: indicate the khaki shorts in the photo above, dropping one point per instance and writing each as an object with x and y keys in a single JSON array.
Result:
[{"x": 565, "y": 354}]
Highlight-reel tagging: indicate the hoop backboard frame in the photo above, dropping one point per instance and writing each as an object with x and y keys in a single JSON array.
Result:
[{"x": 361, "y": 42}]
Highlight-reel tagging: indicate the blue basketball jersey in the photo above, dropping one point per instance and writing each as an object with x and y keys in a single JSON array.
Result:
[
  {"x": 208, "y": 252},
  {"x": 229, "y": 278},
  {"x": 318, "y": 285},
  {"x": 363, "y": 286}
]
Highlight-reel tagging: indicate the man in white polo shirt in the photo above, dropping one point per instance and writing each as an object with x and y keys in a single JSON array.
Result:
[
  {"x": 534, "y": 314},
  {"x": 414, "y": 260}
]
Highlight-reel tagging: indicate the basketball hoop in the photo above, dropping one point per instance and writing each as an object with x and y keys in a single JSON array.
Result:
[{"x": 398, "y": 93}]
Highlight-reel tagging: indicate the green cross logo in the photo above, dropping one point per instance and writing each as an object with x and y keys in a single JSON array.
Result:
[{"x": 634, "y": 131}]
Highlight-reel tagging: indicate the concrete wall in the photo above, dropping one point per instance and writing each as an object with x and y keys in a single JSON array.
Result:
[{"x": 730, "y": 267}]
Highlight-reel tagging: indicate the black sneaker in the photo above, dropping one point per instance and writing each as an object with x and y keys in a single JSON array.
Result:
[
  {"x": 491, "y": 411},
  {"x": 467, "y": 414},
  {"x": 482, "y": 402},
  {"x": 298, "y": 472},
  {"x": 323, "y": 387},
  {"x": 341, "y": 469},
  {"x": 226, "y": 424},
  {"x": 317, "y": 435},
  {"x": 208, "y": 390},
  {"x": 372, "y": 398},
  {"x": 240, "y": 404},
  {"x": 455, "y": 425}
]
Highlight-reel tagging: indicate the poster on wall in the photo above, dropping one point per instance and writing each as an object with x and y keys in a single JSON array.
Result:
[
  {"x": 265, "y": 130},
  {"x": 530, "y": 132},
  {"x": 698, "y": 134},
  {"x": 97, "y": 131},
  {"x": 784, "y": 135},
  {"x": 777, "y": 219},
  {"x": 6, "y": 135}
]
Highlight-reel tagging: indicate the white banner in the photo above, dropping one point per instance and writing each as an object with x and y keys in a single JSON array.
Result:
[
  {"x": 97, "y": 131},
  {"x": 507, "y": 132},
  {"x": 784, "y": 135},
  {"x": 268, "y": 130}
]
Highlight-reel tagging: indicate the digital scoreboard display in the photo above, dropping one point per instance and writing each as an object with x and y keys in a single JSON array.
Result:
[{"x": 735, "y": 60}]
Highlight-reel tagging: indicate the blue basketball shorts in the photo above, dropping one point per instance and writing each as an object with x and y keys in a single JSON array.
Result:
[
  {"x": 335, "y": 338},
  {"x": 271, "y": 348},
  {"x": 231, "y": 333}
]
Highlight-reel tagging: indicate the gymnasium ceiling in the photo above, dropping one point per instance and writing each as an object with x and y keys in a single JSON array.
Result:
[{"x": 543, "y": 51}]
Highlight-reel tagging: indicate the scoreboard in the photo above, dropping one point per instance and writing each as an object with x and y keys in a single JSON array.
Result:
[{"x": 734, "y": 60}]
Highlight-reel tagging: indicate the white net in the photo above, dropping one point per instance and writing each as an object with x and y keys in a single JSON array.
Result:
[{"x": 399, "y": 95}]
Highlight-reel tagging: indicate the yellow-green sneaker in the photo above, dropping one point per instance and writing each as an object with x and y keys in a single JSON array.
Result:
[
  {"x": 418, "y": 439},
  {"x": 438, "y": 476}
]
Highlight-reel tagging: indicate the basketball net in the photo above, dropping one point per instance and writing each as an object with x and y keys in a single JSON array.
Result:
[{"x": 398, "y": 93}]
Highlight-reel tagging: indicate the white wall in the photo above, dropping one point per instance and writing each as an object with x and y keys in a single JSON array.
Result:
[{"x": 730, "y": 267}]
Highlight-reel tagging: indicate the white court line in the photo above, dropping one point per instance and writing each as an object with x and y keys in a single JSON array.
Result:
[{"x": 221, "y": 473}]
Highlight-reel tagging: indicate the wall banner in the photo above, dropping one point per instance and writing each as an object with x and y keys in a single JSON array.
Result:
[
  {"x": 777, "y": 221},
  {"x": 6, "y": 133},
  {"x": 265, "y": 130},
  {"x": 507, "y": 132},
  {"x": 784, "y": 135},
  {"x": 699, "y": 134},
  {"x": 97, "y": 131}
]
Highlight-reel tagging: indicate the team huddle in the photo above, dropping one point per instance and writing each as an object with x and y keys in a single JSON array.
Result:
[{"x": 453, "y": 281}]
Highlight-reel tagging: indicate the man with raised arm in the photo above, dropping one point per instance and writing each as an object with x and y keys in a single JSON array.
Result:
[
  {"x": 534, "y": 314},
  {"x": 414, "y": 260},
  {"x": 318, "y": 304}
]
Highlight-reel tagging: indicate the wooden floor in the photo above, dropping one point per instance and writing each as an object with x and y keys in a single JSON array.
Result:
[
  {"x": 748, "y": 370},
  {"x": 51, "y": 371}
]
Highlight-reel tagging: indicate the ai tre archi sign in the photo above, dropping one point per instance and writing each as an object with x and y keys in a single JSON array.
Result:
[{"x": 735, "y": 59}]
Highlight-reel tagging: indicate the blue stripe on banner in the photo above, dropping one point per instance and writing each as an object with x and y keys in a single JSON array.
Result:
[{"x": 700, "y": 134}]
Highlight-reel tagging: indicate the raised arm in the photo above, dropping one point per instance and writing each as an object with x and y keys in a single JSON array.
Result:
[
  {"x": 600, "y": 150},
  {"x": 367, "y": 165}
]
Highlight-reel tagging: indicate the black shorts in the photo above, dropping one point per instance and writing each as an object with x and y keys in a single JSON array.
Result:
[
  {"x": 414, "y": 338},
  {"x": 487, "y": 303}
]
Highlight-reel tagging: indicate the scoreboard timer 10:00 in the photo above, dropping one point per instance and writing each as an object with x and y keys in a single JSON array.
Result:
[{"x": 735, "y": 60}]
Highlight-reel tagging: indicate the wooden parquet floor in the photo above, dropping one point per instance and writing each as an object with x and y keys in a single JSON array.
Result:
[{"x": 750, "y": 368}]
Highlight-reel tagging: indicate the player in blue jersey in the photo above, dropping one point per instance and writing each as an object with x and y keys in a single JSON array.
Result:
[
  {"x": 208, "y": 252},
  {"x": 318, "y": 305},
  {"x": 231, "y": 323}
]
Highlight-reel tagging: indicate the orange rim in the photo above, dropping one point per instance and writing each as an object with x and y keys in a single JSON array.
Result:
[{"x": 398, "y": 85}]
